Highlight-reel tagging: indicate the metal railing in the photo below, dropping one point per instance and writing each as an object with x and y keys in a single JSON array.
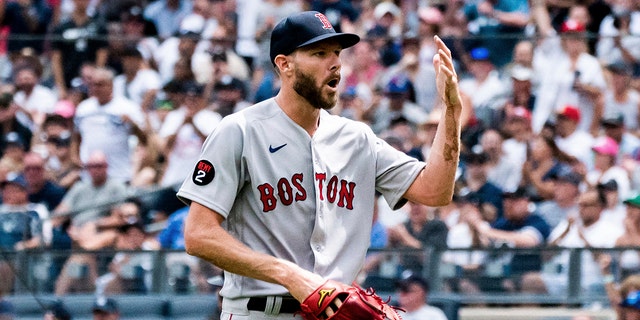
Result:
[{"x": 170, "y": 272}]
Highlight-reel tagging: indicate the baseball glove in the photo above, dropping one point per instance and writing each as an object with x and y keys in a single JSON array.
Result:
[{"x": 336, "y": 301}]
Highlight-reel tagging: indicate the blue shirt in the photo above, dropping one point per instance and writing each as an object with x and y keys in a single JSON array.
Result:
[
  {"x": 172, "y": 237},
  {"x": 524, "y": 262}
]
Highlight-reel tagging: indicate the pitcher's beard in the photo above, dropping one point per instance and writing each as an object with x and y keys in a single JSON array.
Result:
[{"x": 305, "y": 86}]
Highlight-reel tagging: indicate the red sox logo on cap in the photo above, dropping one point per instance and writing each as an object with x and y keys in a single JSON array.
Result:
[{"x": 325, "y": 22}]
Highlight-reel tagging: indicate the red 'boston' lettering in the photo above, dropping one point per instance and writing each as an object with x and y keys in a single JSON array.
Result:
[
  {"x": 289, "y": 190},
  {"x": 332, "y": 189},
  {"x": 284, "y": 191},
  {"x": 267, "y": 197},
  {"x": 296, "y": 180},
  {"x": 320, "y": 177},
  {"x": 346, "y": 194}
]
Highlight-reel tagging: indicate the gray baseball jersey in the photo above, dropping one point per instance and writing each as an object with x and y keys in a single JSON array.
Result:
[{"x": 305, "y": 199}]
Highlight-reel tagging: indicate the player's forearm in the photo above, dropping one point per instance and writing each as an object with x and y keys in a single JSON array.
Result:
[
  {"x": 206, "y": 239},
  {"x": 438, "y": 177}
]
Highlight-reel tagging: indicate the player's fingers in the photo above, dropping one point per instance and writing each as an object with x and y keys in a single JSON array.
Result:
[{"x": 333, "y": 307}]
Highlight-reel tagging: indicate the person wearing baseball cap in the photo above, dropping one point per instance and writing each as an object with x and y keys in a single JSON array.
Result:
[
  {"x": 606, "y": 167},
  {"x": 239, "y": 183},
  {"x": 305, "y": 29},
  {"x": 569, "y": 138},
  {"x": 105, "y": 309}
]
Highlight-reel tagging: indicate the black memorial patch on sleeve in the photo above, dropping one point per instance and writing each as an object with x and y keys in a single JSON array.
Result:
[{"x": 203, "y": 173}]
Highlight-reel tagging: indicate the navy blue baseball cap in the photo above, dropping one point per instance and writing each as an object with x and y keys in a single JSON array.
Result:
[{"x": 305, "y": 28}]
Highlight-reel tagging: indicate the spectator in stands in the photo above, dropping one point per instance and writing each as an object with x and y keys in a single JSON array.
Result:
[
  {"x": 614, "y": 127},
  {"x": 413, "y": 293},
  {"x": 523, "y": 59},
  {"x": 397, "y": 104},
  {"x": 34, "y": 99},
  {"x": 629, "y": 260},
  {"x": 523, "y": 93},
  {"x": 229, "y": 95},
  {"x": 618, "y": 32},
  {"x": 183, "y": 132},
  {"x": 12, "y": 129},
  {"x": 20, "y": 224},
  {"x": 89, "y": 200},
  {"x": 517, "y": 127},
  {"x": 167, "y": 15},
  {"x": 501, "y": 170},
  {"x": 620, "y": 98},
  {"x": 418, "y": 70},
  {"x": 57, "y": 311},
  {"x": 570, "y": 75},
  {"x": 13, "y": 153},
  {"x": 28, "y": 22},
  {"x": 519, "y": 228},
  {"x": 76, "y": 41},
  {"x": 501, "y": 23},
  {"x": 41, "y": 189},
  {"x": 564, "y": 203},
  {"x": 21, "y": 220},
  {"x": 222, "y": 40},
  {"x": 80, "y": 271},
  {"x": 466, "y": 264},
  {"x": 127, "y": 270},
  {"x": 269, "y": 13},
  {"x": 105, "y": 121},
  {"x": 139, "y": 32},
  {"x": 421, "y": 231},
  {"x": 474, "y": 179},
  {"x": 569, "y": 139},
  {"x": 484, "y": 87},
  {"x": 587, "y": 230},
  {"x": 614, "y": 210},
  {"x": 105, "y": 309},
  {"x": 181, "y": 46},
  {"x": 364, "y": 69},
  {"x": 65, "y": 172},
  {"x": 544, "y": 161},
  {"x": 137, "y": 83},
  {"x": 626, "y": 298},
  {"x": 605, "y": 154}
]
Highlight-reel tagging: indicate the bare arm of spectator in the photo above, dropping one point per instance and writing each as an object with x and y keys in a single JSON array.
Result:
[
  {"x": 399, "y": 235},
  {"x": 58, "y": 73},
  {"x": 101, "y": 57},
  {"x": 516, "y": 19},
  {"x": 540, "y": 15},
  {"x": 148, "y": 100}
]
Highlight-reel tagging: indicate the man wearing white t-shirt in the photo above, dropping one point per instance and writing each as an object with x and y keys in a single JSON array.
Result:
[
  {"x": 183, "y": 132},
  {"x": 569, "y": 139},
  {"x": 587, "y": 230},
  {"x": 137, "y": 84},
  {"x": 104, "y": 122},
  {"x": 34, "y": 99}
]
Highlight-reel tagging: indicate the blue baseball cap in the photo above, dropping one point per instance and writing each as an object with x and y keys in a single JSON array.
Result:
[
  {"x": 305, "y": 28},
  {"x": 632, "y": 300},
  {"x": 398, "y": 84},
  {"x": 480, "y": 54}
]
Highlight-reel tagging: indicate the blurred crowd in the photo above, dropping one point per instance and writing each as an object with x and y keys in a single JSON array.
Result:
[{"x": 103, "y": 100}]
